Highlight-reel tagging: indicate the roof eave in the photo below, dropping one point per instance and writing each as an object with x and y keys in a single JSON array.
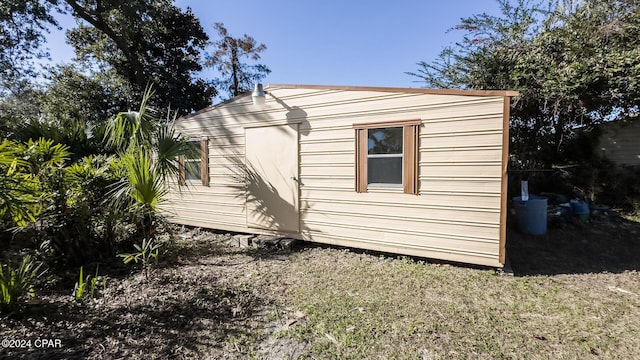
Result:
[{"x": 464, "y": 92}]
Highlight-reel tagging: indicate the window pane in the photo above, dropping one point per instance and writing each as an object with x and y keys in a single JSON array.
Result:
[
  {"x": 385, "y": 170},
  {"x": 192, "y": 162},
  {"x": 385, "y": 141},
  {"x": 195, "y": 150},
  {"x": 193, "y": 169}
]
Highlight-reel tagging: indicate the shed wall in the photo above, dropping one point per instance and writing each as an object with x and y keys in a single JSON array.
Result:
[{"x": 456, "y": 215}]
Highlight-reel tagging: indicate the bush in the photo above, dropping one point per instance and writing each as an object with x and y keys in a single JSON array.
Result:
[
  {"x": 77, "y": 221},
  {"x": 622, "y": 189},
  {"x": 78, "y": 212}
]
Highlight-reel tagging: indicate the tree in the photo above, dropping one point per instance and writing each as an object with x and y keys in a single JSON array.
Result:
[
  {"x": 145, "y": 41},
  {"x": 72, "y": 109},
  {"x": 73, "y": 90},
  {"x": 573, "y": 64},
  {"x": 237, "y": 77},
  {"x": 22, "y": 23},
  {"x": 19, "y": 107}
]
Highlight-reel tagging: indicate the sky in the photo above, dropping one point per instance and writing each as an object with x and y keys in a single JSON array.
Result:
[{"x": 331, "y": 42}]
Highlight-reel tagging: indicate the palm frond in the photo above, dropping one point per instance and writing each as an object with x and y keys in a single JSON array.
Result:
[
  {"x": 169, "y": 147},
  {"x": 142, "y": 184},
  {"x": 131, "y": 129}
]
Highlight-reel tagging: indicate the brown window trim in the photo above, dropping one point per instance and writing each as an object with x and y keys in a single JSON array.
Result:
[
  {"x": 182, "y": 176},
  {"x": 384, "y": 124},
  {"x": 410, "y": 153},
  {"x": 204, "y": 165},
  {"x": 204, "y": 161}
]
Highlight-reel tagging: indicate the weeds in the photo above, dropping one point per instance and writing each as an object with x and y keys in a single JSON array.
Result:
[
  {"x": 15, "y": 283},
  {"x": 147, "y": 253},
  {"x": 86, "y": 286}
]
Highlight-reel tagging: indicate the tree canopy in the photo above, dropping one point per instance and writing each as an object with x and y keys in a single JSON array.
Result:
[
  {"x": 140, "y": 42},
  {"x": 237, "y": 76},
  {"x": 22, "y": 27},
  {"x": 573, "y": 63},
  {"x": 144, "y": 41}
]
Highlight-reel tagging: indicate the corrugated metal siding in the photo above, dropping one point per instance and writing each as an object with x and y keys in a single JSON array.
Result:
[
  {"x": 456, "y": 215},
  {"x": 620, "y": 143}
]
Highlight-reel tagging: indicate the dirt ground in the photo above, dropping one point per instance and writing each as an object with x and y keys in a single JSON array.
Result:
[
  {"x": 210, "y": 300},
  {"x": 203, "y": 301},
  {"x": 606, "y": 243}
]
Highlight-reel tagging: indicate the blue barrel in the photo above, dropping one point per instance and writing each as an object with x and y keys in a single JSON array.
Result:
[
  {"x": 531, "y": 214},
  {"x": 580, "y": 209}
]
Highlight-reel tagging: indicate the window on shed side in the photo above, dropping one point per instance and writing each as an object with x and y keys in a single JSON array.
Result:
[
  {"x": 387, "y": 155},
  {"x": 384, "y": 156},
  {"x": 195, "y": 166}
]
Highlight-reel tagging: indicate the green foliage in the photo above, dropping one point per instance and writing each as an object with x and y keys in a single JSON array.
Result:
[
  {"x": 146, "y": 184},
  {"x": 140, "y": 40},
  {"x": 85, "y": 287},
  {"x": 72, "y": 92},
  {"x": 147, "y": 253},
  {"x": 18, "y": 190},
  {"x": 73, "y": 109},
  {"x": 15, "y": 283},
  {"x": 78, "y": 222},
  {"x": 62, "y": 206},
  {"x": 22, "y": 24},
  {"x": 44, "y": 154},
  {"x": 139, "y": 192},
  {"x": 79, "y": 210},
  {"x": 143, "y": 184},
  {"x": 132, "y": 130},
  {"x": 25, "y": 169},
  {"x": 21, "y": 106},
  {"x": 573, "y": 65}
]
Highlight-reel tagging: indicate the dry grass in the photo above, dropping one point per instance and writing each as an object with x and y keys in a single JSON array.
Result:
[
  {"x": 213, "y": 301},
  {"x": 360, "y": 306}
]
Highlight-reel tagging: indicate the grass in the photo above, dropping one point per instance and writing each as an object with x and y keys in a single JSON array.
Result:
[
  {"x": 215, "y": 301},
  {"x": 359, "y": 306}
]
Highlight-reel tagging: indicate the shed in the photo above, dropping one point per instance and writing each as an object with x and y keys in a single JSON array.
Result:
[{"x": 419, "y": 172}]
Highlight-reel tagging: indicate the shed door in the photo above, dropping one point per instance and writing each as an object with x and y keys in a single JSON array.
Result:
[{"x": 272, "y": 171}]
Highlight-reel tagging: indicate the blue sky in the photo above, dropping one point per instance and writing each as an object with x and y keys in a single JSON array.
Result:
[{"x": 365, "y": 43}]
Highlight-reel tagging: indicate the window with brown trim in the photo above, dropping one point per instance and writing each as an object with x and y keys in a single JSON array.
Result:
[
  {"x": 387, "y": 155},
  {"x": 195, "y": 166}
]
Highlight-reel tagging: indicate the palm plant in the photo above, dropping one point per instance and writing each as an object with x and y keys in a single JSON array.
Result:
[
  {"x": 18, "y": 196},
  {"x": 43, "y": 154},
  {"x": 141, "y": 190},
  {"x": 169, "y": 147},
  {"x": 148, "y": 156},
  {"x": 132, "y": 129},
  {"x": 23, "y": 168}
]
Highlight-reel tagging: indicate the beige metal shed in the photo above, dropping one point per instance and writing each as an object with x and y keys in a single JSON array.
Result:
[{"x": 410, "y": 171}]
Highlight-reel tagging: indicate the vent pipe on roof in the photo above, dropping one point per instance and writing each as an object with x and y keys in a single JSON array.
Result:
[{"x": 258, "y": 95}]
